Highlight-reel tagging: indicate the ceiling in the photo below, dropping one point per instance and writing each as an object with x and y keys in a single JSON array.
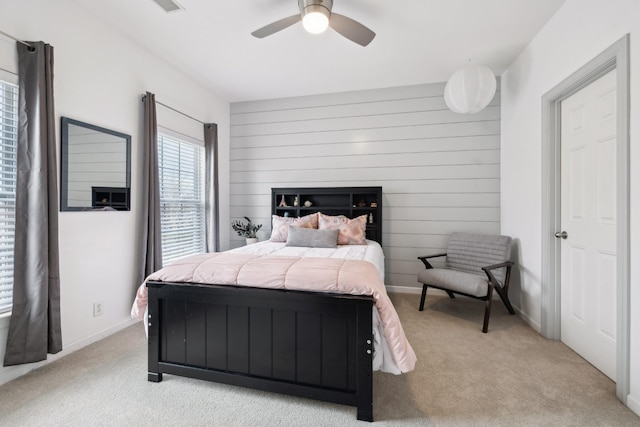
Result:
[{"x": 417, "y": 41}]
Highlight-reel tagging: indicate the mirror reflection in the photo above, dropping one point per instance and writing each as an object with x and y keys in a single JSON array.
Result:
[{"x": 95, "y": 172}]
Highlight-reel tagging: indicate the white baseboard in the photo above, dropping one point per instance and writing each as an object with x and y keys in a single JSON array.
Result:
[
  {"x": 10, "y": 373},
  {"x": 70, "y": 348},
  {"x": 633, "y": 403},
  {"x": 528, "y": 320},
  {"x": 404, "y": 289}
]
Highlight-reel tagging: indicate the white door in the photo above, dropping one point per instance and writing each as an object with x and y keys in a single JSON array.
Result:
[{"x": 588, "y": 216}]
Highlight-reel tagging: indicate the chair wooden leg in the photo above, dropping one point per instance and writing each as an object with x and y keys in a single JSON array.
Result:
[
  {"x": 451, "y": 295},
  {"x": 505, "y": 299},
  {"x": 423, "y": 296},
  {"x": 487, "y": 310}
]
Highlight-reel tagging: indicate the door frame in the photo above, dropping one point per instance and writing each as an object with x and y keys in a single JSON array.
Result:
[{"x": 615, "y": 57}]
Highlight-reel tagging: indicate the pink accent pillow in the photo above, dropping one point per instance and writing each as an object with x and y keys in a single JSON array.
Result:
[
  {"x": 351, "y": 231},
  {"x": 280, "y": 225}
]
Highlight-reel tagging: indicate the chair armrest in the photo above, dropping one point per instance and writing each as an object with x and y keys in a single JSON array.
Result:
[
  {"x": 492, "y": 280},
  {"x": 500, "y": 265},
  {"x": 425, "y": 257}
]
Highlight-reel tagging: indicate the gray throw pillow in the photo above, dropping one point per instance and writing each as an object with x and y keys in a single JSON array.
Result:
[{"x": 312, "y": 238}]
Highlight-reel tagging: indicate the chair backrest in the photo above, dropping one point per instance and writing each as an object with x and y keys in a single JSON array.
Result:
[{"x": 471, "y": 252}]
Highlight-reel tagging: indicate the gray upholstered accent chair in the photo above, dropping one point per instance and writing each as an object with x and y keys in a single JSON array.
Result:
[{"x": 475, "y": 266}]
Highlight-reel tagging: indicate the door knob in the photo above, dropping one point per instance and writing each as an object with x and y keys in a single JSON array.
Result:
[{"x": 562, "y": 235}]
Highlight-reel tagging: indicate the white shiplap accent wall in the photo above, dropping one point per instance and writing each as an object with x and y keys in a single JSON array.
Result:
[{"x": 439, "y": 171}]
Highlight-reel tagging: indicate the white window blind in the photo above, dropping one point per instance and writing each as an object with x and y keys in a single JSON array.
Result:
[
  {"x": 8, "y": 171},
  {"x": 181, "y": 169}
]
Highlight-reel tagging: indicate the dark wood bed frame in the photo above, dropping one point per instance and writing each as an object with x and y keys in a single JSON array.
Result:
[{"x": 308, "y": 344}]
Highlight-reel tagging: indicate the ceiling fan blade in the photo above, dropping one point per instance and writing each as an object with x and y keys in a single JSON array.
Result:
[
  {"x": 274, "y": 27},
  {"x": 353, "y": 30}
]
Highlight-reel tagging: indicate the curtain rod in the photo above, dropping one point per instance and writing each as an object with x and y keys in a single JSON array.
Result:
[
  {"x": 177, "y": 111},
  {"x": 13, "y": 38},
  {"x": 8, "y": 71}
]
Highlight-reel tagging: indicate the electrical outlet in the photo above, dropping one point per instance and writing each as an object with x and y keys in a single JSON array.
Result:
[{"x": 97, "y": 309}]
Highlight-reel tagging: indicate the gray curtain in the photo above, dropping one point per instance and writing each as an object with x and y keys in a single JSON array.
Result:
[
  {"x": 211, "y": 187},
  {"x": 151, "y": 257},
  {"x": 34, "y": 328}
]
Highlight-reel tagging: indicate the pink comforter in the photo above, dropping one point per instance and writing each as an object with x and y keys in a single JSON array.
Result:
[{"x": 294, "y": 273}]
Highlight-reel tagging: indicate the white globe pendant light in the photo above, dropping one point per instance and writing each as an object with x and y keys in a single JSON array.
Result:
[{"x": 470, "y": 89}]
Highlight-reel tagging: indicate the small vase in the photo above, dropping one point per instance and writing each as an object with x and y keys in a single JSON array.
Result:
[{"x": 251, "y": 240}]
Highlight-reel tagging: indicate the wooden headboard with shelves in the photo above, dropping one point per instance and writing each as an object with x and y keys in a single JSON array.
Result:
[{"x": 351, "y": 202}]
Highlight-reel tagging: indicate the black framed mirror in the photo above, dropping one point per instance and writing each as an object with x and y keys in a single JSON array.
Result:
[{"x": 95, "y": 168}]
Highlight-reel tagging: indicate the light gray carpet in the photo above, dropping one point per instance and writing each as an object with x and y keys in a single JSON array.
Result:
[{"x": 508, "y": 377}]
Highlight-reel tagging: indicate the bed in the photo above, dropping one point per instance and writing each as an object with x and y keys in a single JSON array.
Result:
[{"x": 252, "y": 318}]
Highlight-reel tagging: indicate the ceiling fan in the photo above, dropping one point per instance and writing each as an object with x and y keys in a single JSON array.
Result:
[{"x": 316, "y": 16}]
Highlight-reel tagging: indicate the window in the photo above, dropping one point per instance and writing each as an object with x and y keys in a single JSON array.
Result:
[
  {"x": 8, "y": 171},
  {"x": 181, "y": 170}
]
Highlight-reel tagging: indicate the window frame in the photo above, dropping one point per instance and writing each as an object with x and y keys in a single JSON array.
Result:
[
  {"x": 178, "y": 246},
  {"x": 7, "y": 220}
]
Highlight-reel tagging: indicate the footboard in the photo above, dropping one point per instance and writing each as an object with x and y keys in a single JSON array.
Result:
[{"x": 313, "y": 345}]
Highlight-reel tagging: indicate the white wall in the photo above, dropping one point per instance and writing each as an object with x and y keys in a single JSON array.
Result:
[
  {"x": 578, "y": 32},
  {"x": 439, "y": 171},
  {"x": 99, "y": 79}
]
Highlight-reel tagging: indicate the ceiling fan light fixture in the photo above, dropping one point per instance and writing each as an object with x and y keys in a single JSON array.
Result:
[{"x": 315, "y": 18}]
